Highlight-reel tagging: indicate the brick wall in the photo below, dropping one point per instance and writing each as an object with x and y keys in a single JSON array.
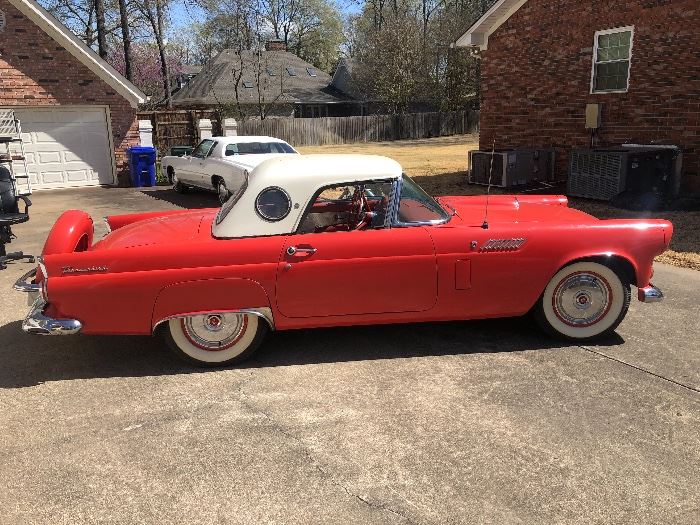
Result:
[
  {"x": 536, "y": 76},
  {"x": 36, "y": 71}
]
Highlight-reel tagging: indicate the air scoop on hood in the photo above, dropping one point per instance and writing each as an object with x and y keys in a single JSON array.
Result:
[{"x": 170, "y": 229}]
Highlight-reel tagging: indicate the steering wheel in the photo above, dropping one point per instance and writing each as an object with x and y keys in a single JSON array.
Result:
[{"x": 359, "y": 208}]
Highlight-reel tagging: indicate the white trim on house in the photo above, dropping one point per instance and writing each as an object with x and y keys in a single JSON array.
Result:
[
  {"x": 478, "y": 34},
  {"x": 595, "y": 55},
  {"x": 79, "y": 50}
]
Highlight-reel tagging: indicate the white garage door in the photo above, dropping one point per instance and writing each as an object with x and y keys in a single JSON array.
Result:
[{"x": 66, "y": 147}]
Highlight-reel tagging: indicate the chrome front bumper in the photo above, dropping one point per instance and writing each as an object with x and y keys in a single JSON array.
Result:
[
  {"x": 650, "y": 294},
  {"x": 38, "y": 323}
]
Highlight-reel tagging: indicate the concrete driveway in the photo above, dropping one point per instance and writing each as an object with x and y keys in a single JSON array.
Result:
[{"x": 463, "y": 422}]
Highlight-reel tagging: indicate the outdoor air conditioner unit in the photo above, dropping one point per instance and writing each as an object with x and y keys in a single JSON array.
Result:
[
  {"x": 597, "y": 174},
  {"x": 509, "y": 168},
  {"x": 634, "y": 170}
]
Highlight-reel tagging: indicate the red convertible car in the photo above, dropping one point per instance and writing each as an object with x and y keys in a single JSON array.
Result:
[{"x": 329, "y": 240}]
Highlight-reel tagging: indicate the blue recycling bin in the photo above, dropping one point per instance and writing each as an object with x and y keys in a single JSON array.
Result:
[{"x": 142, "y": 166}]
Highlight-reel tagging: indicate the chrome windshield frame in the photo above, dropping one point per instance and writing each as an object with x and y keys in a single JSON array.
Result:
[{"x": 395, "y": 222}]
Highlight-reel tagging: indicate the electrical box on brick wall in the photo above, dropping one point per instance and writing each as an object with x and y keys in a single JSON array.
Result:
[{"x": 593, "y": 112}]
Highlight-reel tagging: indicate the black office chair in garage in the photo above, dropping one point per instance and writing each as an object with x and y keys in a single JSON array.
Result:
[{"x": 10, "y": 214}]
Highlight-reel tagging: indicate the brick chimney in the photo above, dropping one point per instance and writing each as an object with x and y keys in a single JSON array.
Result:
[{"x": 275, "y": 45}]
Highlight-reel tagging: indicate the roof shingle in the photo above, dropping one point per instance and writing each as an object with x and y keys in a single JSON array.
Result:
[{"x": 215, "y": 84}]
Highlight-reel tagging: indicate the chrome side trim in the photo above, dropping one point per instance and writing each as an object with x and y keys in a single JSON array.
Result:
[
  {"x": 263, "y": 312},
  {"x": 21, "y": 285},
  {"x": 38, "y": 323},
  {"x": 650, "y": 294}
]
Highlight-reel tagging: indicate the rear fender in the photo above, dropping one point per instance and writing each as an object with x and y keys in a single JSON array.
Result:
[
  {"x": 114, "y": 222},
  {"x": 72, "y": 232},
  {"x": 211, "y": 295}
]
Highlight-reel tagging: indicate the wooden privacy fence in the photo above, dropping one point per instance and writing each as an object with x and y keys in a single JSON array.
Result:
[
  {"x": 179, "y": 128},
  {"x": 370, "y": 128}
]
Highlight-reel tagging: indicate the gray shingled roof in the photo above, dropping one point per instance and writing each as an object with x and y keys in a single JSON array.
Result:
[{"x": 215, "y": 83}]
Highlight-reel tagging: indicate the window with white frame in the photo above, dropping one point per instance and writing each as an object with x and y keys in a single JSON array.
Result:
[{"x": 611, "y": 60}]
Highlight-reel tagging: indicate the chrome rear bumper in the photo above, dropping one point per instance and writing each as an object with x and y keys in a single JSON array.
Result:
[
  {"x": 23, "y": 284},
  {"x": 650, "y": 294},
  {"x": 38, "y": 323}
]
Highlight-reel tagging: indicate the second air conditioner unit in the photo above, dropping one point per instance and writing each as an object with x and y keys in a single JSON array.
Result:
[
  {"x": 510, "y": 168},
  {"x": 606, "y": 173}
]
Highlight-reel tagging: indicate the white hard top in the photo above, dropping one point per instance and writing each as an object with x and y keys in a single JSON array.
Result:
[{"x": 300, "y": 176}]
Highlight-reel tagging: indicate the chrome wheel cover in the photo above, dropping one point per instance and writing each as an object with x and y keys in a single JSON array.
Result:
[
  {"x": 215, "y": 332},
  {"x": 582, "y": 299}
]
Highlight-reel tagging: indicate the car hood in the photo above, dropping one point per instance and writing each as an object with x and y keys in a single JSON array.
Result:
[
  {"x": 252, "y": 161},
  {"x": 169, "y": 229},
  {"x": 514, "y": 208}
]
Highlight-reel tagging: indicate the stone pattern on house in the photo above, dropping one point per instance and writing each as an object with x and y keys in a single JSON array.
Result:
[
  {"x": 536, "y": 76},
  {"x": 36, "y": 71}
]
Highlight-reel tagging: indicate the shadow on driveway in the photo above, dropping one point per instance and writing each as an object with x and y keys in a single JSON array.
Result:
[
  {"x": 192, "y": 199},
  {"x": 27, "y": 360}
]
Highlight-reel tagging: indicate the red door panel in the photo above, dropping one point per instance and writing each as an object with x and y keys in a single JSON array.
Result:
[{"x": 357, "y": 272}]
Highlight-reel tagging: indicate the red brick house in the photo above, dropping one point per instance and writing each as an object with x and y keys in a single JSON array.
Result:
[
  {"x": 78, "y": 114},
  {"x": 542, "y": 61}
]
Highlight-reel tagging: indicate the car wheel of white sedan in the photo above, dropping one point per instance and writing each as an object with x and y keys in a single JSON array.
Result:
[
  {"x": 222, "y": 191},
  {"x": 583, "y": 301},
  {"x": 178, "y": 186},
  {"x": 215, "y": 339}
]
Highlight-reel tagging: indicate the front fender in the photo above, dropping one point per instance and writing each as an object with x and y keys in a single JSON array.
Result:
[{"x": 208, "y": 295}]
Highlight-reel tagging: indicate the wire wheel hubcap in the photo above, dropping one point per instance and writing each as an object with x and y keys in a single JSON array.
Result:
[
  {"x": 582, "y": 299},
  {"x": 215, "y": 332}
]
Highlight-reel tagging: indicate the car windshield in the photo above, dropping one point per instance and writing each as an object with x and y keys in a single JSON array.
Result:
[
  {"x": 416, "y": 206},
  {"x": 231, "y": 201},
  {"x": 258, "y": 148}
]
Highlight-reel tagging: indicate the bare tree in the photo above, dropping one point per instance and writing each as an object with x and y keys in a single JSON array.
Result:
[
  {"x": 154, "y": 11},
  {"x": 101, "y": 28},
  {"x": 78, "y": 15},
  {"x": 126, "y": 38}
]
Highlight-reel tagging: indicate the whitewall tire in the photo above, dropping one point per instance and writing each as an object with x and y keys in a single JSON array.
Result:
[
  {"x": 215, "y": 339},
  {"x": 583, "y": 301}
]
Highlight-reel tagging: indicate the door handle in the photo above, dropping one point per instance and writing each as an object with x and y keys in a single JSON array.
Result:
[{"x": 293, "y": 249}]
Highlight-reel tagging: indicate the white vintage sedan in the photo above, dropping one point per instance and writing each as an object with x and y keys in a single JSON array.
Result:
[{"x": 222, "y": 164}]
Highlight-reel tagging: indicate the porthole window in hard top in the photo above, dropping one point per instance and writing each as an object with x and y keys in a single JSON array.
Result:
[{"x": 273, "y": 204}]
